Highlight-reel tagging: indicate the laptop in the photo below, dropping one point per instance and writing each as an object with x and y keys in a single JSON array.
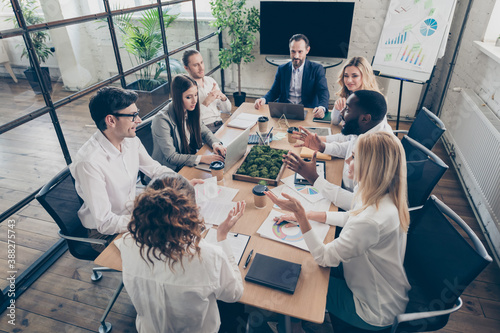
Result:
[
  {"x": 291, "y": 111},
  {"x": 235, "y": 150}
]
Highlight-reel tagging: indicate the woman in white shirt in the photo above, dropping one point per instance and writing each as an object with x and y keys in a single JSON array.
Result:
[
  {"x": 173, "y": 276},
  {"x": 371, "y": 247},
  {"x": 178, "y": 131}
]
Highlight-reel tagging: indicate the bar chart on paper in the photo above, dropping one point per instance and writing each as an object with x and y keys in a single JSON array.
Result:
[{"x": 400, "y": 39}]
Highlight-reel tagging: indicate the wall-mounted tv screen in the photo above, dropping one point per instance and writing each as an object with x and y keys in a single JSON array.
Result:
[{"x": 326, "y": 24}]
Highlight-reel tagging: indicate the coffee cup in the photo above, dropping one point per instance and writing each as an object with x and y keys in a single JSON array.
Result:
[
  {"x": 290, "y": 131},
  {"x": 263, "y": 124},
  {"x": 217, "y": 169},
  {"x": 259, "y": 198}
]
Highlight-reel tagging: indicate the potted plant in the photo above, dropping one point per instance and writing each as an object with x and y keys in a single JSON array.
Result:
[
  {"x": 142, "y": 40},
  {"x": 241, "y": 25},
  {"x": 39, "y": 39}
]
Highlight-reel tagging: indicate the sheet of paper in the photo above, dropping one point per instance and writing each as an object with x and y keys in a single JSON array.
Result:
[
  {"x": 215, "y": 211},
  {"x": 238, "y": 242},
  {"x": 310, "y": 193},
  {"x": 289, "y": 233},
  {"x": 318, "y": 206},
  {"x": 209, "y": 190}
]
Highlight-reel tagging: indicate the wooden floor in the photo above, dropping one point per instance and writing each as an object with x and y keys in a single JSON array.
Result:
[{"x": 64, "y": 299}]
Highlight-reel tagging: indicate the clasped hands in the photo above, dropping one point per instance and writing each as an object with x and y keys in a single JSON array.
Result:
[{"x": 213, "y": 95}]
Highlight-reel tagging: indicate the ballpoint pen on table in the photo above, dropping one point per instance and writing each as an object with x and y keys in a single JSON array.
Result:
[{"x": 248, "y": 259}]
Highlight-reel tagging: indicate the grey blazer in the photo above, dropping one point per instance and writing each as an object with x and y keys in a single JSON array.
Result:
[{"x": 167, "y": 141}]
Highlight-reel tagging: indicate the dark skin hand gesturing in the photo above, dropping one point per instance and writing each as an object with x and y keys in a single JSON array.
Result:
[
  {"x": 310, "y": 140},
  {"x": 303, "y": 168}
]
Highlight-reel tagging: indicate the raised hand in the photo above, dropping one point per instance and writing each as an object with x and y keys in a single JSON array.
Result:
[
  {"x": 310, "y": 140},
  {"x": 234, "y": 215}
]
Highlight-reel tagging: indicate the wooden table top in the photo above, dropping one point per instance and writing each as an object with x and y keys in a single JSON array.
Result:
[{"x": 309, "y": 300}]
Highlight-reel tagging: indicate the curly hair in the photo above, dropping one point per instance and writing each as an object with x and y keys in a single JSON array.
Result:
[{"x": 165, "y": 222}]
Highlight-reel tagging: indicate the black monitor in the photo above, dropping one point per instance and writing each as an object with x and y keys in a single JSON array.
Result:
[{"x": 326, "y": 24}]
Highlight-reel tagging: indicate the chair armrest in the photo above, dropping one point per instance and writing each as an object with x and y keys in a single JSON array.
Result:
[
  {"x": 400, "y": 131},
  {"x": 422, "y": 315},
  {"x": 85, "y": 240}
]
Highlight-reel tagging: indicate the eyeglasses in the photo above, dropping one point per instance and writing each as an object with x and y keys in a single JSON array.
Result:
[{"x": 133, "y": 115}]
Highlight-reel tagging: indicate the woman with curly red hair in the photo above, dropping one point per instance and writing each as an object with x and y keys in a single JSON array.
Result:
[{"x": 173, "y": 276}]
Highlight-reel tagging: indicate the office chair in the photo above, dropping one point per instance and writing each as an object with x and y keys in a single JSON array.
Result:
[
  {"x": 439, "y": 265},
  {"x": 60, "y": 199},
  {"x": 426, "y": 129},
  {"x": 424, "y": 169},
  {"x": 143, "y": 132}
]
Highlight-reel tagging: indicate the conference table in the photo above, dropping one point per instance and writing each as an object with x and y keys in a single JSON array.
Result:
[{"x": 309, "y": 300}]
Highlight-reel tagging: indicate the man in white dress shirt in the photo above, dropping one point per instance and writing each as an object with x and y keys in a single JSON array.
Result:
[
  {"x": 212, "y": 100},
  {"x": 106, "y": 166},
  {"x": 364, "y": 113}
]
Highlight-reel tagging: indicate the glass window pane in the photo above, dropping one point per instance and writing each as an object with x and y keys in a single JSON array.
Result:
[
  {"x": 181, "y": 31},
  {"x": 30, "y": 156},
  {"x": 151, "y": 84}
]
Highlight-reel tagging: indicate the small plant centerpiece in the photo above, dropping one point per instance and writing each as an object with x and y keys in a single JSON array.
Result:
[
  {"x": 142, "y": 40},
  {"x": 263, "y": 165},
  {"x": 39, "y": 40},
  {"x": 241, "y": 24}
]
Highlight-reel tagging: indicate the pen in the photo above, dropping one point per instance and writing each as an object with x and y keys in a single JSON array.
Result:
[
  {"x": 267, "y": 136},
  {"x": 248, "y": 259}
]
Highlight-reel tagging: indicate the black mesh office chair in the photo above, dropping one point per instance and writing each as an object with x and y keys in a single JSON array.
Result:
[
  {"x": 426, "y": 129},
  {"x": 439, "y": 264},
  {"x": 143, "y": 132},
  {"x": 60, "y": 199},
  {"x": 424, "y": 170}
]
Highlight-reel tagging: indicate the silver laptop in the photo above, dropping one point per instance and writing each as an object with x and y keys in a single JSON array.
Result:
[
  {"x": 291, "y": 111},
  {"x": 234, "y": 151}
]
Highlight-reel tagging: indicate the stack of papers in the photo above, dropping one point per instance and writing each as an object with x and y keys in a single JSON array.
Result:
[{"x": 244, "y": 120}]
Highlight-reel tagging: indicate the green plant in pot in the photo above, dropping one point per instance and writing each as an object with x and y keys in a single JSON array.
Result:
[
  {"x": 39, "y": 39},
  {"x": 241, "y": 25},
  {"x": 142, "y": 40}
]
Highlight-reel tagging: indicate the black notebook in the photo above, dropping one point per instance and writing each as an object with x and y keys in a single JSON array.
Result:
[{"x": 274, "y": 273}]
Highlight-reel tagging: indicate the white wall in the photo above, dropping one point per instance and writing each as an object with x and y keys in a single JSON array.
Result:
[
  {"x": 474, "y": 69},
  {"x": 369, "y": 16}
]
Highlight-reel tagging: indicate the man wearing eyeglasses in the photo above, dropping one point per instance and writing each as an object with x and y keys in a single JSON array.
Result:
[{"x": 106, "y": 166}]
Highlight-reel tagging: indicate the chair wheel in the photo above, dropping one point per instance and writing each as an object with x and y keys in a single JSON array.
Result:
[
  {"x": 96, "y": 276},
  {"x": 105, "y": 329}
]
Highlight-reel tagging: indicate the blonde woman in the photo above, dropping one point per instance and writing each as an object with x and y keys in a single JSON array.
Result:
[
  {"x": 357, "y": 74},
  {"x": 373, "y": 288}
]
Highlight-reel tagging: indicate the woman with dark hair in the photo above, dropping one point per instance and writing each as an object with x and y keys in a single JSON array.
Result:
[
  {"x": 173, "y": 276},
  {"x": 178, "y": 131}
]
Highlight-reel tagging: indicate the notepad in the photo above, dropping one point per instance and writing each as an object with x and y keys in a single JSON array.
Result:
[
  {"x": 308, "y": 153},
  {"x": 326, "y": 119},
  {"x": 244, "y": 120},
  {"x": 274, "y": 273},
  {"x": 238, "y": 242}
]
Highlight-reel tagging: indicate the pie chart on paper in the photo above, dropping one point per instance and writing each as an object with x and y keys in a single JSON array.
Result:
[{"x": 428, "y": 27}]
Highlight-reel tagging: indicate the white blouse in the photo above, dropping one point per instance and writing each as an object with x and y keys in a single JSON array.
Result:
[
  {"x": 183, "y": 300},
  {"x": 371, "y": 247}
]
